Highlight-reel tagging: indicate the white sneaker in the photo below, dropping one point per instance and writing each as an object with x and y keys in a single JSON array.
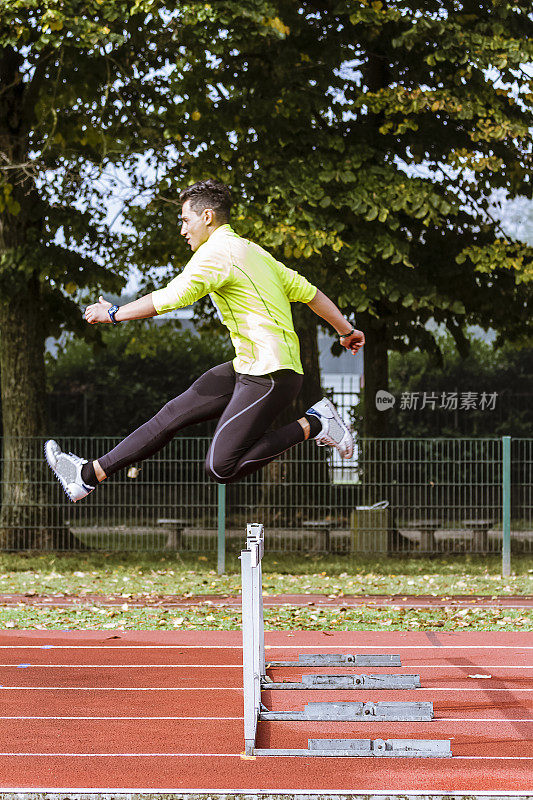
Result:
[
  {"x": 67, "y": 469},
  {"x": 335, "y": 432}
]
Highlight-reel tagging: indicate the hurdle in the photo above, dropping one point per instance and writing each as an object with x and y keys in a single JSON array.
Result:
[
  {"x": 255, "y": 679},
  {"x": 253, "y": 630}
]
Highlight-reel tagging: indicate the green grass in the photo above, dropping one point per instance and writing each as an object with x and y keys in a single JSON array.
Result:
[
  {"x": 151, "y": 574},
  {"x": 285, "y": 618}
]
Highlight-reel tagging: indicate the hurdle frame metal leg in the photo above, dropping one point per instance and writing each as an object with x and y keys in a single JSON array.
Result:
[{"x": 253, "y": 637}]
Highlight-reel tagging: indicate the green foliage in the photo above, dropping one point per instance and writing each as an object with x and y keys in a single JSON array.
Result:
[
  {"x": 270, "y": 81},
  {"x": 363, "y": 143},
  {"x": 498, "y": 255},
  {"x": 128, "y": 378},
  {"x": 79, "y": 91}
]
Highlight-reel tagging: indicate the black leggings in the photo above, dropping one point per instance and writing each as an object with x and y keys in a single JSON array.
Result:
[{"x": 246, "y": 405}]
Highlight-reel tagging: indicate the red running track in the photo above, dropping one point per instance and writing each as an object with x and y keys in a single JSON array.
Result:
[{"x": 98, "y": 711}]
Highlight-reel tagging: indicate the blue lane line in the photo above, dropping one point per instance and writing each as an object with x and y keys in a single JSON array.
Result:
[{"x": 23, "y": 666}]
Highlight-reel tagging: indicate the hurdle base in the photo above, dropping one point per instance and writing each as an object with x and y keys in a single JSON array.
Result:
[
  {"x": 340, "y": 660},
  {"x": 354, "y": 712},
  {"x": 346, "y": 682},
  {"x": 367, "y": 748}
]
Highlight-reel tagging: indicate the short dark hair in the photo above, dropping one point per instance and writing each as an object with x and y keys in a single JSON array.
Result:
[{"x": 208, "y": 194}]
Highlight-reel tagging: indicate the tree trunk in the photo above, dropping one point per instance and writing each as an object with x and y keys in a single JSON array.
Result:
[
  {"x": 376, "y": 468},
  {"x": 376, "y": 421},
  {"x": 28, "y": 517},
  {"x": 24, "y": 508}
]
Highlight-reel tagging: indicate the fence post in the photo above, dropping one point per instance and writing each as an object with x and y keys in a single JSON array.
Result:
[
  {"x": 506, "y": 506},
  {"x": 221, "y": 539}
]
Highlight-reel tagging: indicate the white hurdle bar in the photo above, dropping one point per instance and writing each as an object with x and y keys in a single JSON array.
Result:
[{"x": 253, "y": 632}]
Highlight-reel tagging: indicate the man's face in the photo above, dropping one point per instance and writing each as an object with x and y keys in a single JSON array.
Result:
[{"x": 195, "y": 226}]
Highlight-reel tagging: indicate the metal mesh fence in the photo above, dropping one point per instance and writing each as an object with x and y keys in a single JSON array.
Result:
[
  {"x": 432, "y": 495},
  {"x": 522, "y": 492}
]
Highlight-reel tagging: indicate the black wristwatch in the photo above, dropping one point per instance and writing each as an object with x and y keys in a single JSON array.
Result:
[
  {"x": 112, "y": 311},
  {"x": 344, "y": 335}
]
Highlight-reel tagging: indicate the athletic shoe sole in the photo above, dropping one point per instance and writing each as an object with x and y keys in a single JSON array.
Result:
[
  {"x": 347, "y": 439},
  {"x": 49, "y": 456}
]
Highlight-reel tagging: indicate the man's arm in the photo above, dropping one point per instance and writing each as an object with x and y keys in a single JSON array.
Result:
[
  {"x": 142, "y": 308},
  {"x": 326, "y": 308}
]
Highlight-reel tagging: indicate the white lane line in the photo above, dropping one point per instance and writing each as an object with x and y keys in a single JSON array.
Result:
[
  {"x": 239, "y": 666},
  {"x": 468, "y": 689},
  {"x": 373, "y": 647},
  {"x": 145, "y": 666},
  {"x": 215, "y": 755},
  {"x": 133, "y": 688},
  {"x": 497, "y": 720},
  {"x": 120, "y": 755},
  {"x": 141, "y": 718}
]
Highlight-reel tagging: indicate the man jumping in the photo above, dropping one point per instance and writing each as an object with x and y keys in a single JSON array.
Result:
[{"x": 252, "y": 293}]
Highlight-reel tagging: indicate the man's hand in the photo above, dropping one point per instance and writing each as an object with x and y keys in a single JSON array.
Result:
[
  {"x": 98, "y": 312},
  {"x": 354, "y": 341}
]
